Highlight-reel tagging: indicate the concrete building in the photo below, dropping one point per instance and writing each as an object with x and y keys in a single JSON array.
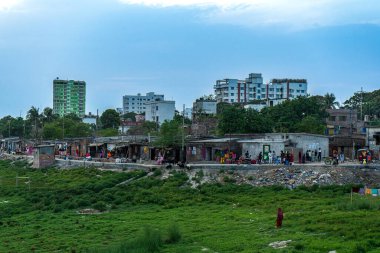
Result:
[
  {"x": 136, "y": 103},
  {"x": 159, "y": 111},
  {"x": 373, "y": 140},
  {"x": 279, "y": 90},
  {"x": 343, "y": 122},
  {"x": 89, "y": 119},
  {"x": 239, "y": 91},
  {"x": 69, "y": 96},
  {"x": 204, "y": 106},
  {"x": 252, "y": 89},
  {"x": 295, "y": 143},
  {"x": 346, "y": 132}
]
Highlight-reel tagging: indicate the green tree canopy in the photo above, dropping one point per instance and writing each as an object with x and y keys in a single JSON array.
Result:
[
  {"x": 110, "y": 119},
  {"x": 368, "y": 101},
  {"x": 66, "y": 128}
]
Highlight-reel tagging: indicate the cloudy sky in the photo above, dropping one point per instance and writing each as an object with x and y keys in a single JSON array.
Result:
[{"x": 180, "y": 47}]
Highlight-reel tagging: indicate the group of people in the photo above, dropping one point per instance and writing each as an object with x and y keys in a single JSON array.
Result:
[
  {"x": 365, "y": 157},
  {"x": 286, "y": 158}
]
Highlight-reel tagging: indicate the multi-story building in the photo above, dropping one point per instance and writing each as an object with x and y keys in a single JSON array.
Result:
[
  {"x": 279, "y": 90},
  {"x": 204, "y": 106},
  {"x": 345, "y": 131},
  {"x": 159, "y": 111},
  {"x": 239, "y": 91},
  {"x": 69, "y": 96},
  {"x": 136, "y": 104},
  {"x": 253, "y": 89}
]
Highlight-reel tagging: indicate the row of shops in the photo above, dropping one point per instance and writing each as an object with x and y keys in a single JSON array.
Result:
[{"x": 140, "y": 148}]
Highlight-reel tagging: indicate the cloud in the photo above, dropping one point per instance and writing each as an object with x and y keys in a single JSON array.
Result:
[
  {"x": 295, "y": 14},
  {"x": 7, "y": 5}
]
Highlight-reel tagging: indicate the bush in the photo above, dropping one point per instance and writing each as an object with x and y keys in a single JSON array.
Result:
[
  {"x": 150, "y": 241},
  {"x": 174, "y": 234},
  {"x": 100, "y": 205}
]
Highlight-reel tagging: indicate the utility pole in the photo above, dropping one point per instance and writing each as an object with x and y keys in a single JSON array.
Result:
[
  {"x": 183, "y": 134},
  {"x": 361, "y": 104},
  {"x": 63, "y": 126}
]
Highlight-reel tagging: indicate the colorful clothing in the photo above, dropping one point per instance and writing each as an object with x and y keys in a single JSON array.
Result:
[
  {"x": 368, "y": 191},
  {"x": 374, "y": 192},
  {"x": 361, "y": 191}
]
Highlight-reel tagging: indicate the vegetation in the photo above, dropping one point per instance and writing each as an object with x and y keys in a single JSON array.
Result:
[
  {"x": 303, "y": 114},
  {"x": 110, "y": 118},
  {"x": 369, "y": 101},
  {"x": 153, "y": 215}
]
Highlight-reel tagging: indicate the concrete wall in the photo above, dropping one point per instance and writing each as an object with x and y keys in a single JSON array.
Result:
[
  {"x": 256, "y": 147},
  {"x": 311, "y": 142}
]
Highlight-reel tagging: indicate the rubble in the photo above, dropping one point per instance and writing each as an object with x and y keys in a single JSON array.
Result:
[
  {"x": 292, "y": 176},
  {"x": 279, "y": 244}
]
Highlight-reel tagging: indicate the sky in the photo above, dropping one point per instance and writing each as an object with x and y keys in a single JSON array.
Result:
[{"x": 179, "y": 48}]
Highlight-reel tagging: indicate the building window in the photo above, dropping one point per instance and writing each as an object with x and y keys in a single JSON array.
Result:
[
  {"x": 232, "y": 94},
  {"x": 232, "y": 88},
  {"x": 232, "y": 100},
  {"x": 332, "y": 118},
  {"x": 300, "y": 85},
  {"x": 342, "y": 118},
  {"x": 157, "y": 109}
]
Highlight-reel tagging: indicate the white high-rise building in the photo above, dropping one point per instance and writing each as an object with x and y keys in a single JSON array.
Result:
[
  {"x": 240, "y": 91},
  {"x": 252, "y": 89},
  {"x": 280, "y": 89},
  {"x": 136, "y": 103}
]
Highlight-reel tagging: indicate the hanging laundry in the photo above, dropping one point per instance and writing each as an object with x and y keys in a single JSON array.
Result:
[
  {"x": 374, "y": 192},
  {"x": 361, "y": 191},
  {"x": 367, "y": 191}
]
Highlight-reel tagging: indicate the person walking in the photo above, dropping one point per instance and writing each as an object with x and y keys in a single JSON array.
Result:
[
  {"x": 280, "y": 217},
  {"x": 270, "y": 158},
  {"x": 260, "y": 157},
  {"x": 319, "y": 154}
]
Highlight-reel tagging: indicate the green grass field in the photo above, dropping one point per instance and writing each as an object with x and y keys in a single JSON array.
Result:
[{"x": 154, "y": 215}]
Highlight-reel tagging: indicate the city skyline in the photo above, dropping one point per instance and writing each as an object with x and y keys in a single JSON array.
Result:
[{"x": 180, "y": 48}]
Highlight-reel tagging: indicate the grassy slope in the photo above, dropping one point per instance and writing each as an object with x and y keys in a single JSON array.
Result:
[{"x": 221, "y": 218}]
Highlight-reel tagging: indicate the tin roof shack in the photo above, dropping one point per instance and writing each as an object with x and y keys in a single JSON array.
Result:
[
  {"x": 43, "y": 156},
  {"x": 211, "y": 149},
  {"x": 11, "y": 145}
]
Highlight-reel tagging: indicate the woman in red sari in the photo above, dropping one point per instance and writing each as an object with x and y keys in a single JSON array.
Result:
[{"x": 280, "y": 217}]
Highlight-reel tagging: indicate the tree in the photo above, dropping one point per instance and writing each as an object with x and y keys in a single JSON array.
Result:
[
  {"x": 145, "y": 128},
  {"x": 329, "y": 101},
  {"x": 66, "y": 128},
  {"x": 170, "y": 134},
  {"x": 368, "y": 101},
  {"x": 48, "y": 116},
  {"x": 311, "y": 124},
  {"x": 130, "y": 116},
  {"x": 110, "y": 119},
  {"x": 34, "y": 119}
]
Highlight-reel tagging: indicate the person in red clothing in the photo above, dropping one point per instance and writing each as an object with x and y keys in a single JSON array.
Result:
[{"x": 280, "y": 217}]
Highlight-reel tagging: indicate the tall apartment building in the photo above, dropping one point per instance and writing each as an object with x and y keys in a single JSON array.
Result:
[
  {"x": 69, "y": 96},
  {"x": 252, "y": 88},
  {"x": 136, "y": 103},
  {"x": 279, "y": 90},
  {"x": 239, "y": 91}
]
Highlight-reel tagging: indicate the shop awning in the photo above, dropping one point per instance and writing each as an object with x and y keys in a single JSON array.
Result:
[{"x": 95, "y": 144}]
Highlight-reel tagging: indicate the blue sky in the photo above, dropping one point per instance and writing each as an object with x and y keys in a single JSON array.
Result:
[{"x": 180, "y": 47}]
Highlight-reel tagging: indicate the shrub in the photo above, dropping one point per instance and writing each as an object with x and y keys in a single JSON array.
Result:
[
  {"x": 100, "y": 205},
  {"x": 150, "y": 241},
  {"x": 174, "y": 234}
]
